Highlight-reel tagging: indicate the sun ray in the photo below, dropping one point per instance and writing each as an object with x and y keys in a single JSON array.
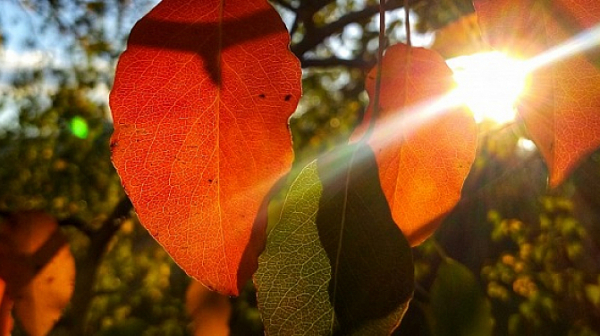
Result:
[{"x": 580, "y": 43}]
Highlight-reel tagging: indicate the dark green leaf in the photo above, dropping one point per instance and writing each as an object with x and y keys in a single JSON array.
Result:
[
  {"x": 458, "y": 305},
  {"x": 335, "y": 263}
]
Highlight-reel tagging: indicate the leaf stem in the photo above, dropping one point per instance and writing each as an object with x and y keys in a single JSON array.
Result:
[
  {"x": 440, "y": 250},
  {"x": 407, "y": 22},
  {"x": 377, "y": 92}
]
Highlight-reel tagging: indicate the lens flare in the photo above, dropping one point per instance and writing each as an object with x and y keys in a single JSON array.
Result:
[{"x": 489, "y": 84}]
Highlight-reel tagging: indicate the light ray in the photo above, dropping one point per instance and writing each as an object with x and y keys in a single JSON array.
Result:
[
  {"x": 407, "y": 120},
  {"x": 582, "y": 42}
]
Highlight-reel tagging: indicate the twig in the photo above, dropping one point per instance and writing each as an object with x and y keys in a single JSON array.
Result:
[
  {"x": 335, "y": 61},
  {"x": 407, "y": 22},
  {"x": 439, "y": 249},
  {"x": 377, "y": 92},
  {"x": 294, "y": 27},
  {"x": 77, "y": 223}
]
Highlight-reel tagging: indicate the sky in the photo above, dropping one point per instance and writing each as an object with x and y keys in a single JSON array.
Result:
[{"x": 29, "y": 45}]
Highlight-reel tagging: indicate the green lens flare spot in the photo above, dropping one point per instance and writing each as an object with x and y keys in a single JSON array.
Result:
[{"x": 79, "y": 127}]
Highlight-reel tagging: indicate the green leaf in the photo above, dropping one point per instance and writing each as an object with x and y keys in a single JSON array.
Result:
[
  {"x": 335, "y": 263},
  {"x": 458, "y": 305}
]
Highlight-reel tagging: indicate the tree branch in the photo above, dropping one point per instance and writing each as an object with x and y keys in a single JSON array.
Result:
[
  {"x": 88, "y": 268},
  {"x": 318, "y": 35}
]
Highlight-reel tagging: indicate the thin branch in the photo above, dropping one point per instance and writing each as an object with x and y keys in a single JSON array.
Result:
[
  {"x": 334, "y": 61},
  {"x": 377, "y": 92},
  {"x": 407, "y": 22},
  {"x": 120, "y": 212},
  {"x": 106, "y": 292},
  {"x": 440, "y": 250},
  {"x": 77, "y": 223},
  {"x": 294, "y": 27}
]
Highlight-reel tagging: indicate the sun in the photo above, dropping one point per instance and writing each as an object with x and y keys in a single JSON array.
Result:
[{"x": 489, "y": 84}]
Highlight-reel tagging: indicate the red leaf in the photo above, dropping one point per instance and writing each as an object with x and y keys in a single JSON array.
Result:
[
  {"x": 422, "y": 161},
  {"x": 459, "y": 38},
  {"x": 200, "y": 105},
  {"x": 561, "y": 106}
]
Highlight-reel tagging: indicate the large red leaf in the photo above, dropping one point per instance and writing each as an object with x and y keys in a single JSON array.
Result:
[
  {"x": 200, "y": 104},
  {"x": 562, "y": 105},
  {"x": 423, "y": 158}
]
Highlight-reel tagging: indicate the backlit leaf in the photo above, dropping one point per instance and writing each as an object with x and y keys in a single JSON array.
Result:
[
  {"x": 459, "y": 38},
  {"x": 38, "y": 268},
  {"x": 335, "y": 263},
  {"x": 424, "y": 147},
  {"x": 200, "y": 105},
  {"x": 560, "y": 108}
]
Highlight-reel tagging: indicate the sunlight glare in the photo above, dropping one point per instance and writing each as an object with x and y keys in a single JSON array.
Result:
[
  {"x": 583, "y": 42},
  {"x": 489, "y": 84}
]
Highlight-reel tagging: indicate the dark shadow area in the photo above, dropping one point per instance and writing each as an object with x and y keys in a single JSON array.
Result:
[
  {"x": 371, "y": 261},
  {"x": 205, "y": 39}
]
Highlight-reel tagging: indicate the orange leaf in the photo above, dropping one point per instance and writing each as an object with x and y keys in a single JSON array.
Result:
[
  {"x": 459, "y": 38},
  {"x": 423, "y": 161},
  {"x": 210, "y": 311},
  {"x": 200, "y": 104},
  {"x": 38, "y": 269},
  {"x": 561, "y": 106}
]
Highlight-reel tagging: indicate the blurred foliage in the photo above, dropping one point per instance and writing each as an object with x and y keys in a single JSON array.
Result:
[
  {"x": 56, "y": 169},
  {"x": 546, "y": 283},
  {"x": 532, "y": 251},
  {"x": 329, "y": 110},
  {"x": 154, "y": 287}
]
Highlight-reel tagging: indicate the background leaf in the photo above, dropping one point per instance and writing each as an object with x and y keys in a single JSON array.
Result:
[
  {"x": 200, "y": 105},
  {"x": 458, "y": 305},
  {"x": 38, "y": 268},
  {"x": 560, "y": 108},
  {"x": 335, "y": 252},
  {"x": 210, "y": 311},
  {"x": 423, "y": 158}
]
